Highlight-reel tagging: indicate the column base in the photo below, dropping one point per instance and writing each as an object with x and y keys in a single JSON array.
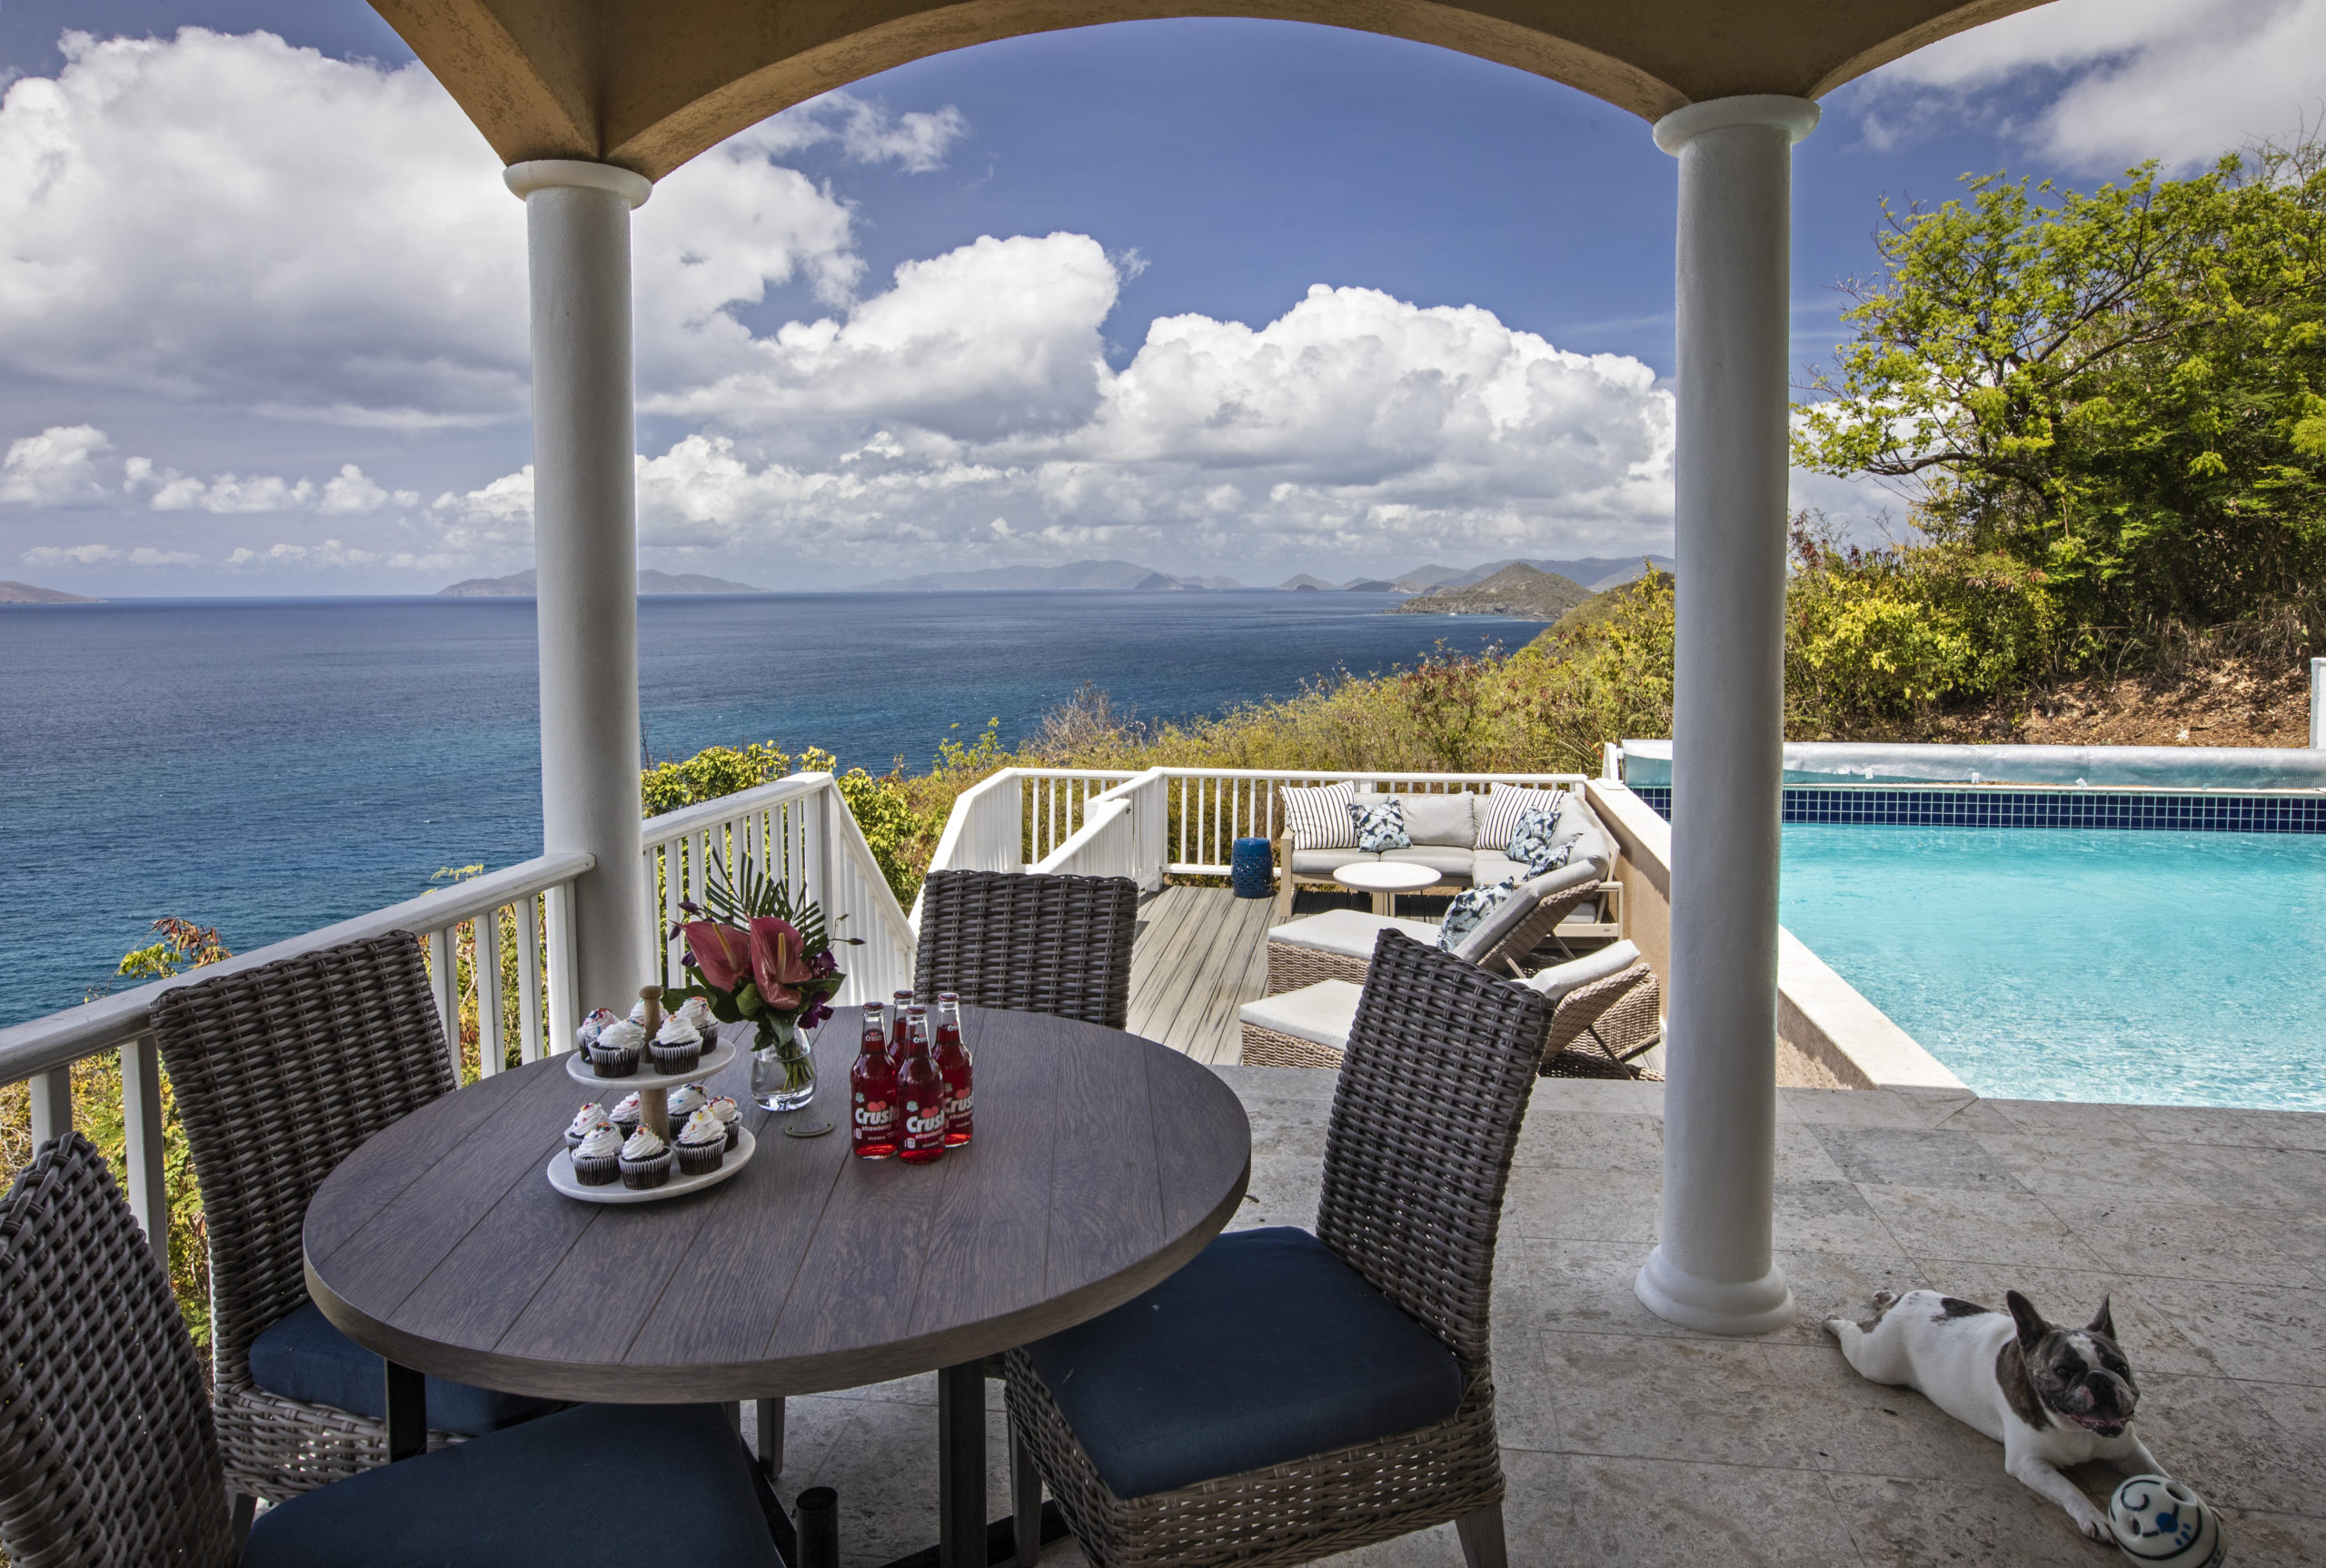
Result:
[{"x": 1760, "y": 1305}]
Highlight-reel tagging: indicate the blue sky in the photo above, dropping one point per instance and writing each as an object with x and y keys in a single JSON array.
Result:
[{"x": 980, "y": 309}]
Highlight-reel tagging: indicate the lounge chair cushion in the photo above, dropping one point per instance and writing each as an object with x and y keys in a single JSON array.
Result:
[
  {"x": 1323, "y": 1013},
  {"x": 1199, "y": 1377},
  {"x": 1350, "y": 933},
  {"x": 1498, "y": 813},
  {"x": 1318, "y": 819},
  {"x": 1558, "y": 981},
  {"x": 303, "y": 1357},
  {"x": 1448, "y": 862},
  {"x": 1447, "y": 820},
  {"x": 1504, "y": 916},
  {"x": 560, "y": 1491}
]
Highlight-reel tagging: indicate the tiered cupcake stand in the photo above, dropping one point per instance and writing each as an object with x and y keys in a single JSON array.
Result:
[{"x": 653, "y": 1090}]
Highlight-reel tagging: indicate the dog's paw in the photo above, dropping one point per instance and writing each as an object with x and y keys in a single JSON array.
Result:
[
  {"x": 1885, "y": 1299},
  {"x": 2094, "y": 1524}
]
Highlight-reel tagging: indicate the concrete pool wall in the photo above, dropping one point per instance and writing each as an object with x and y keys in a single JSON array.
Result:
[{"x": 1829, "y": 1036}]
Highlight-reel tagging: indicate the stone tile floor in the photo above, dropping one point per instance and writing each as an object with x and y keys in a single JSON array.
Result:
[{"x": 1629, "y": 1441}]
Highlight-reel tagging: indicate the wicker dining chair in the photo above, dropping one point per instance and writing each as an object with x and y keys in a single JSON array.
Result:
[
  {"x": 1031, "y": 942},
  {"x": 108, "y": 1454},
  {"x": 1201, "y": 1395},
  {"x": 279, "y": 1072}
]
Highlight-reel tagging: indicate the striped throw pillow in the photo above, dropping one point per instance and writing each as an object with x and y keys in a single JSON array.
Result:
[
  {"x": 1319, "y": 818},
  {"x": 1499, "y": 814}
]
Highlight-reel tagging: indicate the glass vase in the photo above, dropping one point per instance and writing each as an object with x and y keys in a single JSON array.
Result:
[{"x": 784, "y": 1068}]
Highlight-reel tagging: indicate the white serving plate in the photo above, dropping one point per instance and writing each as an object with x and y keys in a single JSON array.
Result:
[
  {"x": 578, "y": 1068},
  {"x": 561, "y": 1176}
]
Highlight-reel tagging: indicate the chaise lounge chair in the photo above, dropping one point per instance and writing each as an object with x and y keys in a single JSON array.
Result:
[{"x": 1338, "y": 944}]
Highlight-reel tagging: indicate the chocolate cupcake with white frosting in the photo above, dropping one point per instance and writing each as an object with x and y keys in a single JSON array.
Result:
[
  {"x": 586, "y": 1120},
  {"x": 702, "y": 1144},
  {"x": 597, "y": 1158},
  {"x": 626, "y": 1115},
  {"x": 614, "y": 1053},
  {"x": 685, "y": 1100},
  {"x": 645, "y": 1161},
  {"x": 729, "y": 1114},
  {"x": 677, "y": 1047},
  {"x": 696, "y": 1011}
]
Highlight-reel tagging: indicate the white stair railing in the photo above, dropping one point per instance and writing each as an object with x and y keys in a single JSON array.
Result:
[{"x": 798, "y": 829}]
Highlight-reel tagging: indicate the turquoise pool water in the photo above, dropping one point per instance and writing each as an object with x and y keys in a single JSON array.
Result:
[{"x": 2167, "y": 968}]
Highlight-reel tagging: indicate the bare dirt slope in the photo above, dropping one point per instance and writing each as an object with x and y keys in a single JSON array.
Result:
[{"x": 2219, "y": 701}]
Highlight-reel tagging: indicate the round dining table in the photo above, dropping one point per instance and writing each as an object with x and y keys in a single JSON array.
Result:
[{"x": 1102, "y": 1162}]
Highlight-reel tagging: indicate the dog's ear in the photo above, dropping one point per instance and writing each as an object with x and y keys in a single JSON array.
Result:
[
  {"x": 2031, "y": 1326},
  {"x": 2103, "y": 1321}
]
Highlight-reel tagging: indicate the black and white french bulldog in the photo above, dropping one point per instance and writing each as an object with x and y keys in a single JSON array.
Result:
[{"x": 2051, "y": 1396}]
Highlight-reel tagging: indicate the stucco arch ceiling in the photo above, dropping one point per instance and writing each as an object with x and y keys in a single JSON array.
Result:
[{"x": 649, "y": 83}]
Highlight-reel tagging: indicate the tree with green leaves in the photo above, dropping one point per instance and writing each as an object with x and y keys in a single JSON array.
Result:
[{"x": 2124, "y": 390}]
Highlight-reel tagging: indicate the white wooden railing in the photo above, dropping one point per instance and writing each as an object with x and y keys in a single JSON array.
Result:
[
  {"x": 531, "y": 902},
  {"x": 798, "y": 829},
  {"x": 1165, "y": 820}
]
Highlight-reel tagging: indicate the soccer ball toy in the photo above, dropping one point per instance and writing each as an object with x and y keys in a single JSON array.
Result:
[{"x": 2160, "y": 1524}]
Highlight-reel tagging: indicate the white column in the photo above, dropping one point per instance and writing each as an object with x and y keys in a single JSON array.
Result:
[
  {"x": 1712, "y": 1269},
  {"x": 585, "y": 549}
]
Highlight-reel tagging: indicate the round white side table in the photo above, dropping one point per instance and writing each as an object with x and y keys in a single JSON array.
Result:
[{"x": 1385, "y": 879}]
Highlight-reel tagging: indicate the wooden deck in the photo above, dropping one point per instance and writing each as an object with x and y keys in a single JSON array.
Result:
[{"x": 1202, "y": 952}]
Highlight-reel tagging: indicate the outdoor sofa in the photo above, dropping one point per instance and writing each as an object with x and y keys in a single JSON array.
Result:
[{"x": 1446, "y": 839}]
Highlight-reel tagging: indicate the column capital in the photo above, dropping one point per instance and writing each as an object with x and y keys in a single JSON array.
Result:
[
  {"x": 580, "y": 174},
  {"x": 1796, "y": 117}
]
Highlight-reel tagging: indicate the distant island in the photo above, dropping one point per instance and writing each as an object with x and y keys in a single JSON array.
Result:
[
  {"x": 520, "y": 585},
  {"x": 1518, "y": 589},
  {"x": 1086, "y": 576},
  {"x": 1593, "y": 574},
  {"x": 26, "y": 593}
]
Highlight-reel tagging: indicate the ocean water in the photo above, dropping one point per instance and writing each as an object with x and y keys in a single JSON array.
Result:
[
  {"x": 267, "y": 767},
  {"x": 2142, "y": 968}
]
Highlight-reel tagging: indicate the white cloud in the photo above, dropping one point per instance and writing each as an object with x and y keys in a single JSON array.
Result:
[
  {"x": 1355, "y": 421},
  {"x": 105, "y": 555},
  {"x": 58, "y": 467},
  {"x": 2119, "y": 81},
  {"x": 333, "y": 555},
  {"x": 232, "y": 218},
  {"x": 349, "y": 492},
  {"x": 917, "y": 141}
]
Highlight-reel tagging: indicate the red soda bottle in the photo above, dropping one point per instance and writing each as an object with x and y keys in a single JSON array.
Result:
[
  {"x": 951, "y": 1055},
  {"x": 899, "y": 1043},
  {"x": 872, "y": 1091},
  {"x": 920, "y": 1091}
]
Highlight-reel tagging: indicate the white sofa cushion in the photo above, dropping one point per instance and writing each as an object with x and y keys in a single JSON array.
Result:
[
  {"x": 1440, "y": 819},
  {"x": 1325, "y": 862},
  {"x": 1451, "y": 863},
  {"x": 1319, "y": 818},
  {"x": 1323, "y": 1013},
  {"x": 1349, "y": 933},
  {"x": 1559, "y": 979}
]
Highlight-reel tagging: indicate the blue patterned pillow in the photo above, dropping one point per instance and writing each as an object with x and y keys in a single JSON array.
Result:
[
  {"x": 1380, "y": 828},
  {"x": 1470, "y": 907},
  {"x": 1534, "y": 843}
]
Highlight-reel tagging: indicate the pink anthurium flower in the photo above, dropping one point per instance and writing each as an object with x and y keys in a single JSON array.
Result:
[
  {"x": 779, "y": 963},
  {"x": 721, "y": 953}
]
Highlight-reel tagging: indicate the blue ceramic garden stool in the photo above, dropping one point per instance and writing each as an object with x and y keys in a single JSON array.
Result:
[{"x": 1251, "y": 865}]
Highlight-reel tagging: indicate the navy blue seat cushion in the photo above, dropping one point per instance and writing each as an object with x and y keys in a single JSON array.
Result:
[
  {"x": 304, "y": 1357},
  {"x": 1266, "y": 1347},
  {"x": 596, "y": 1483}
]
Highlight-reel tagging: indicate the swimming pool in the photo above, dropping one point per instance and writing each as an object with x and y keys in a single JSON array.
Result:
[{"x": 2134, "y": 967}]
